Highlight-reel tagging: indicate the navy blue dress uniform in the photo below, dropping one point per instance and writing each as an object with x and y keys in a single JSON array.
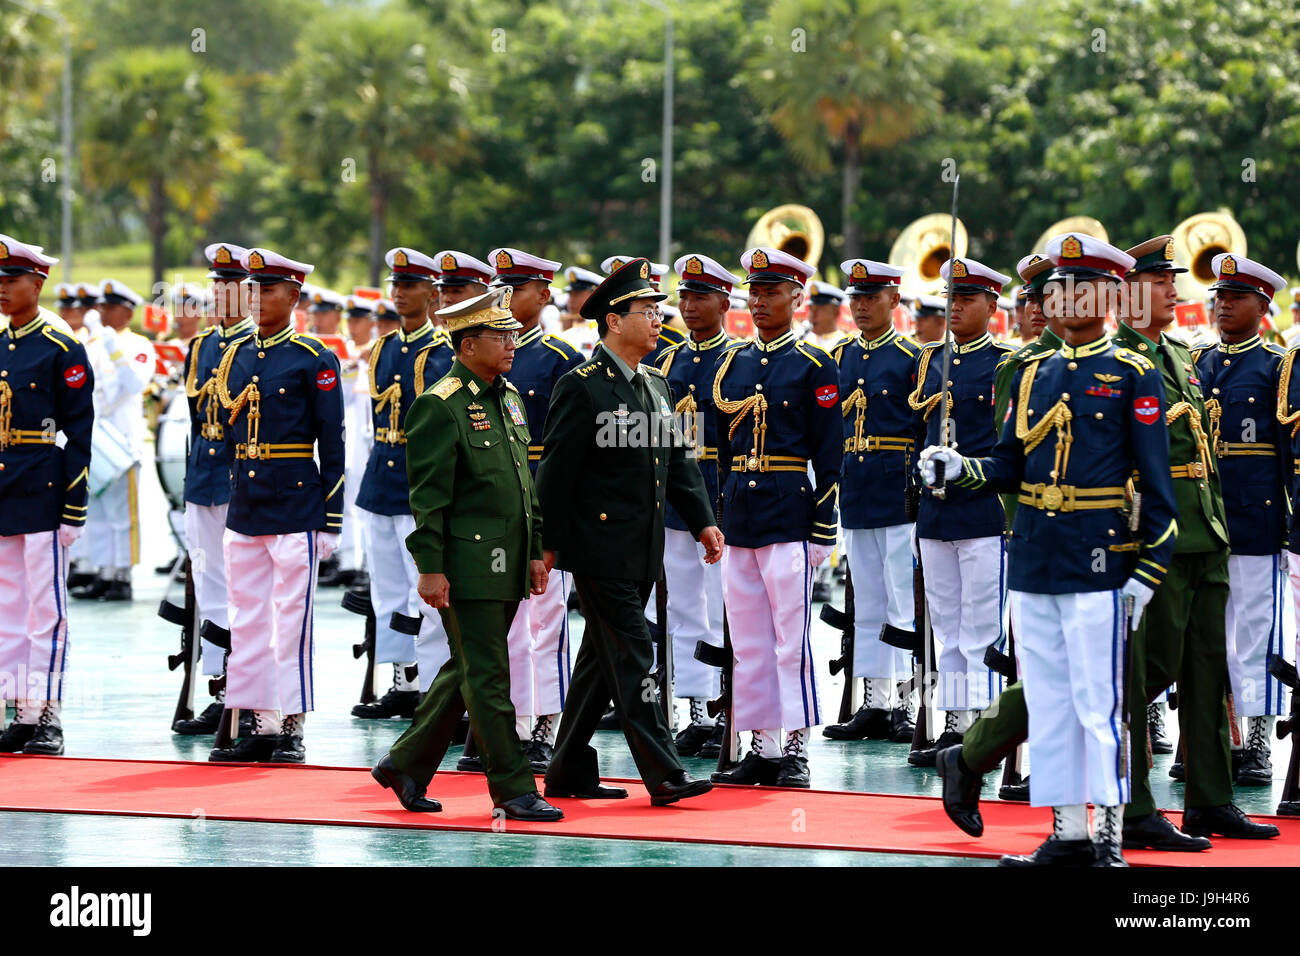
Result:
[
  {"x": 284, "y": 410},
  {"x": 959, "y": 537},
  {"x": 402, "y": 364},
  {"x": 778, "y": 412},
  {"x": 876, "y": 377},
  {"x": 207, "y": 469},
  {"x": 694, "y": 605},
  {"x": 1082, "y": 421},
  {"x": 45, "y": 389},
  {"x": 1241, "y": 382}
]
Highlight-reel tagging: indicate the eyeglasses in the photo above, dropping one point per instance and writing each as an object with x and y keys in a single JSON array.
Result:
[
  {"x": 505, "y": 338},
  {"x": 653, "y": 313}
]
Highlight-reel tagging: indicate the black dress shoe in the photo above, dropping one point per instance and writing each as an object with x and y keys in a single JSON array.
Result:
[
  {"x": 530, "y": 806},
  {"x": 538, "y": 753},
  {"x": 750, "y": 771},
  {"x": 47, "y": 741},
  {"x": 15, "y": 737},
  {"x": 79, "y": 579},
  {"x": 91, "y": 591},
  {"x": 1054, "y": 852},
  {"x": 116, "y": 591},
  {"x": 1256, "y": 769},
  {"x": 961, "y": 791},
  {"x": 609, "y": 721},
  {"x": 1226, "y": 821},
  {"x": 867, "y": 723},
  {"x": 1156, "y": 832},
  {"x": 598, "y": 792},
  {"x": 691, "y": 739},
  {"x": 925, "y": 758},
  {"x": 255, "y": 748},
  {"x": 395, "y": 703},
  {"x": 1107, "y": 854},
  {"x": 1014, "y": 792},
  {"x": 712, "y": 747},
  {"x": 901, "y": 727},
  {"x": 793, "y": 772},
  {"x": 678, "y": 787},
  {"x": 470, "y": 763},
  {"x": 288, "y": 749},
  {"x": 1289, "y": 808},
  {"x": 409, "y": 793},
  {"x": 204, "y": 723},
  {"x": 1160, "y": 742},
  {"x": 1177, "y": 771}
]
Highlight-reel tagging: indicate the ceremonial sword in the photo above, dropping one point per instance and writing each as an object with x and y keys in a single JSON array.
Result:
[{"x": 939, "y": 489}]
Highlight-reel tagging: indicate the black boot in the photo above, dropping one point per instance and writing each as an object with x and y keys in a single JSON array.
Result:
[
  {"x": 793, "y": 771},
  {"x": 961, "y": 791},
  {"x": 750, "y": 771},
  {"x": 926, "y": 758},
  {"x": 538, "y": 751},
  {"x": 867, "y": 723},
  {"x": 15, "y": 737},
  {"x": 470, "y": 761},
  {"x": 255, "y": 748},
  {"x": 695, "y": 734},
  {"x": 1256, "y": 770},
  {"x": 712, "y": 747},
  {"x": 204, "y": 723},
  {"x": 289, "y": 749},
  {"x": 395, "y": 703},
  {"x": 1160, "y": 743},
  {"x": 91, "y": 591}
]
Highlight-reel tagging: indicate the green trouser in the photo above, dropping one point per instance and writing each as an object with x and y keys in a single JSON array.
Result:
[
  {"x": 998, "y": 732},
  {"x": 476, "y": 678},
  {"x": 1181, "y": 639}
]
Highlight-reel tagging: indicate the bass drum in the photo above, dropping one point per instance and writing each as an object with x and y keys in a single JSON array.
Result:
[{"x": 173, "y": 448}]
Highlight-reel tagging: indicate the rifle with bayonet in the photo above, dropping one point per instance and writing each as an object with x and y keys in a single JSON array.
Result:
[
  {"x": 187, "y": 619},
  {"x": 842, "y": 621}
]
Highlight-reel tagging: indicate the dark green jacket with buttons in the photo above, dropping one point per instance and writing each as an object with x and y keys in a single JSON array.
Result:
[
  {"x": 603, "y": 488},
  {"x": 1202, "y": 525},
  {"x": 475, "y": 507}
]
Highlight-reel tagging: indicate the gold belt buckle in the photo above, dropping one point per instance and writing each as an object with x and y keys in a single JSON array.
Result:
[
  {"x": 751, "y": 464},
  {"x": 1053, "y": 498},
  {"x": 1196, "y": 469},
  {"x": 252, "y": 449}
]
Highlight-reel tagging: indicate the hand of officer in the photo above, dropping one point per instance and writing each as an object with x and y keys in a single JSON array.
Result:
[
  {"x": 548, "y": 558},
  {"x": 817, "y": 553},
  {"x": 537, "y": 572},
  {"x": 108, "y": 338},
  {"x": 951, "y": 463},
  {"x": 69, "y": 533},
  {"x": 1141, "y": 595},
  {"x": 326, "y": 544},
  {"x": 711, "y": 538},
  {"x": 435, "y": 590}
]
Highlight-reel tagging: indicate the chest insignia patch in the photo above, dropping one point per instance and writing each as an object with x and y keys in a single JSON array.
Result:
[{"x": 515, "y": 410}]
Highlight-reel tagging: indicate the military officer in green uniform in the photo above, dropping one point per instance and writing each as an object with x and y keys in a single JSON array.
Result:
[
  {"x": 613, "y": 457},
  {"x": 1181, "y": 637},
  {"x": 477, "y": 544}
]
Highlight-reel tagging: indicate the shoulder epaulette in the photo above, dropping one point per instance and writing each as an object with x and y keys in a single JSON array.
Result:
[
  {"x": 806, "y": 349},
  {"x": 302, "y": 338},
  {"x": 908, "y": 346},
  {"x": 672, "y": 334},
  {"x": 511, "y": 385},
  {"x": 1275, "y": 348},
  {"x": 202, "y": 332},
  {"x": 671, "y": 349},
  {"x": 741, "y": 343},
  {"x": 557, "y": 344},
  {"x": 1198, "y": 351},
  {"x": 57, "y": 336},
  {"x": 1004, "y": 346},
  {"x": 1182, "y": 344},
  {"x": 447, "y": 387},
  {"x": 1139, "y": 362},
  {"x": 653, "y": 369},
  {"x": 838, "y": 352},
  {"x": 585, "y": 370}
]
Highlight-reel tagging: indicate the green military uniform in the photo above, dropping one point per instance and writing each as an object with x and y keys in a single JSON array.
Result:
[
  {"x": 603, "y": 489},
  {"x": 1181, "y": 637},
  {"x": 477, "y": 521}
]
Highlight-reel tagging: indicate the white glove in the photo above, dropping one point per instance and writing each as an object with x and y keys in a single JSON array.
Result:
[
  {"x": 951, "y": 464},
  {"x": 108, "y": 338},
  {"x": 1141, "y": 595},
  {"x": 326, "y": 544},
  {"x": 69, "y": 533},
  {"x": 818, "y": 553}
]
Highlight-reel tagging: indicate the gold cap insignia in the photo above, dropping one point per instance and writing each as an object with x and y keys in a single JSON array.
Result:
[
  {"x": 108, "y": 288},
  {"x": 449, "y": 262},
  {"x": 400, "y": 258},
  {"x": 616, "y": 265},
  {"x": 82, "y": 291},
  {"x": 222, "y": 258},
  {"x": 645, "y": 270},
  {"x": 255, "y": 261},
  {"x": 959, "y": 270},
  {"x": 1169, "y": 250},
  {"x": 859, "y": 271},
  {"x": 503, "y": 260},
  {"x": 4, "y": 251},
  {"x": 694, "y": 266},
  {"x": 759, "y": 261},
  {"x": 1229, "y": 267},
  {"x": 1071, "y": 248}
]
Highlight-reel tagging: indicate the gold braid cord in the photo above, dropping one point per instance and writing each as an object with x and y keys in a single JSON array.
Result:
[
  {"x": 1185, "y": 409},
  {"x": 857, "y": 400},
  {"x": 1215, "y": 411},
  {"x": 205, "y": 393},
  {"x": 250, "y": 396},
  {"x": 6, "y": 413},
  {"x": 917, "y": 399},
  {"x": 756, "y": 403},
  {"x": 1058, "y": 417},
  {"x": 391, "y": 396},
  {"x": 688, "y": 406},
  {"x": 1284, "y": 416}
]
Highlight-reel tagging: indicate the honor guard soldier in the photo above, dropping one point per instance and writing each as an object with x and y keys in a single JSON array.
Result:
[
  {"x": 876, "y": 371},
  {"x": 402, "y": 364},
  {"x": 280, "y": 390},
  {"x": 359, "y": 438},
  {"x": 1081, "y": 421},
  {"x": 325, "y": 311},
  {"x": 578, "y": 332},
  {"x": 778, "y": 407},
  {"x": 1182, "y": 637},
  {"x": 539, "y": 638},
  {"x": 189, "y": 305},
  {"x": 45, "y": 390},
  {"x": 124, "y": 366},
  {"x": 1252, "y": 453},
  {"x": 668, "y": 336},
  {"x": 477, "y": 544},
  {"x": 207, "y": 470},
  {"x": 959, "y": 537},
  {"x": 386, "y": 318},
  {"x": 694, "y": 586},
  {"x": 927, "y": 319},
  {"x": 823, "y": 326},
  {"x": 71, "y": 311}
]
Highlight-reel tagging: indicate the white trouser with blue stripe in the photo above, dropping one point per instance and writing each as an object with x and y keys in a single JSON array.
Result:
[
  {"x": 33, "y": 616},
  {"x": 768, "y": 593},
  {"x": 694, "y": 612},
  {"x": 965, "y": 594},
  {"x": 880, "y": 560},
  {"x": 1258, "y": 627},
  {"x": 1072, "y": 650},
  {"x": 205, "y": 530},
  {"x": 271, "y": 581},
  {"x": 548, "y": 647}
]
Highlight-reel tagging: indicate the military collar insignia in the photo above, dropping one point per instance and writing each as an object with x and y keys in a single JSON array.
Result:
[
  {"x": 781, "y": 341},
  {"x": 1084, "y": 351},
  {"x": 1253, "y": 342},
  {"x": 529, "y": 337},
  {"x": 982, "y": 342},
  {"x": 473, "y": 387},
  {"x": 282, "y": 336},
  {"x": 28, "y": 329},
  {"x": 712, "y": 342},
  {"x": 890, "y": 334},
  {"x": 242, "y": 327},
  {"x": 421, "y": 332}
]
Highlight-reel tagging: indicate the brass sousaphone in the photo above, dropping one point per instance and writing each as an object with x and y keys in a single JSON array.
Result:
[
  {"x": 1197, "y": 240},
  {"x": 922, "y": 248},
  {"x": 792, "y": 229}
]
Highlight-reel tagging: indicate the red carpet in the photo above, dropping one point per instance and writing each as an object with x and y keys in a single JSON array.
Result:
[{"x": 345, "y": 796}]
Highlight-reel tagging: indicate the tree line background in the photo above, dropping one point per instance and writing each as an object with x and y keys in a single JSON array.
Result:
[{"x": 331, "y": 131}]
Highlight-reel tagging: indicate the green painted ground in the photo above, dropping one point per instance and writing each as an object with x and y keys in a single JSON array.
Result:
[{"x": 120, "y": 703}]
